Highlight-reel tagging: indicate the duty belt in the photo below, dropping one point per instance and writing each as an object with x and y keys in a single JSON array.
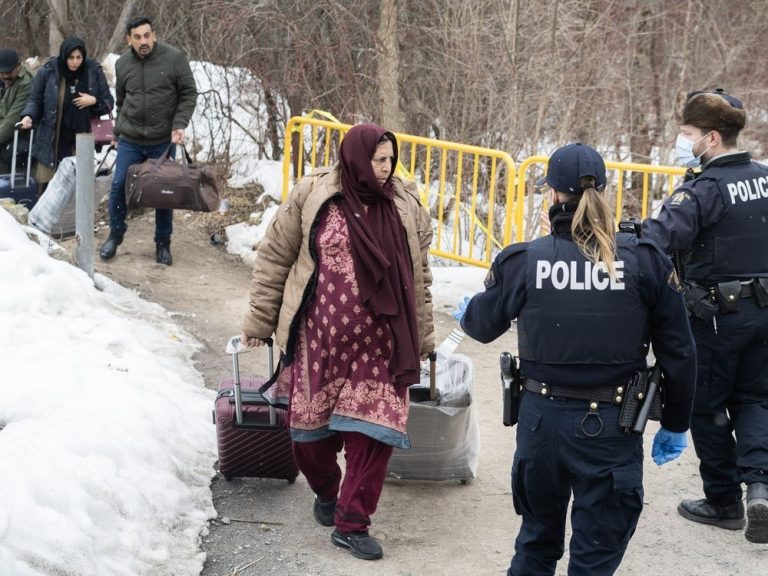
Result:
[
  {"x": 727, "y": 294},
  {"x": 743, "y": 289},
  {"x": 613, "y": 394},
  {"x": 747, "y": 291}
]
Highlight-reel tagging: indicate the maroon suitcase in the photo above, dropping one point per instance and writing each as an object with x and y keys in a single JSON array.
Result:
[{"x": 252, "y": 435}]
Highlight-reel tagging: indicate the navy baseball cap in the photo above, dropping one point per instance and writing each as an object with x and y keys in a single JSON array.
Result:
[
  {"x": 9, "y": 59},
  {"x": 569, "y": 164}
]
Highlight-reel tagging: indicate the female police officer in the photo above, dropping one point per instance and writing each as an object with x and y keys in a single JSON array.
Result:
[{"x": 588, "y": 301}]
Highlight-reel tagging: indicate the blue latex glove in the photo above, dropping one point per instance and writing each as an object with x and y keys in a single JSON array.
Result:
[
  {"x": 668, "y": 445},
  {"x": 459, "y": 314}
]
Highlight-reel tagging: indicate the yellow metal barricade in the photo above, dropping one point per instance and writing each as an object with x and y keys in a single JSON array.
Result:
[
  {"x": 479, "y": 200},
  {"x": 656, "y": 181},
  {"x": 456, "y": 181}
]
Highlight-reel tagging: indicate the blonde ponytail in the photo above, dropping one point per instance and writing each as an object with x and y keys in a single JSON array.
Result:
[{"x": 593, "y": 228}]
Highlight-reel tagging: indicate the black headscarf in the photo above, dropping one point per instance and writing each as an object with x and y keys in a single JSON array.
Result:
[{"x": 74, "y": 120}]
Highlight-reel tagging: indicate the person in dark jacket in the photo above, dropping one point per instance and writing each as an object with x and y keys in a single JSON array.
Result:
[
  {"x": 588, "y": 301},
  {"x": 156, "y": 96},
  {"x": 66, "y": 93},
  {"x": 717, "y": 223},
  {"x": 15, "y": 81}
]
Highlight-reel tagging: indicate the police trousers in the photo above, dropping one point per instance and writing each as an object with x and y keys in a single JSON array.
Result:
[
  {"x": 562, "y": 451},
  {"x": 730, "y": 414}
]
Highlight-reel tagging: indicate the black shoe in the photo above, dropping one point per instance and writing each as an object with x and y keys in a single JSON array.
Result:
[
  {"x": 703, "y": 511},
  {"x": 324, "y": 511},
  {"x": 109, "y": 248},
  {"x": 163, "y": 253},
  {"x": 757, "y": 513},
  {"x": 360, "y": 544}
]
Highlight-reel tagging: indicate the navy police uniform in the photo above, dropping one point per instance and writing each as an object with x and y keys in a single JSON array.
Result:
[
  {"x": 578, "y": 328},
  {"x": 719, "y": 224}
]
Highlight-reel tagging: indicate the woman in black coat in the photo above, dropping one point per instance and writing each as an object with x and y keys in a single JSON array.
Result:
[{"x": 66, "y": 93}]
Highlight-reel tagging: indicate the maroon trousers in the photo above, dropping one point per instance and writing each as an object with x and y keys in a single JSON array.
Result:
[{"x": 358, "y": 493}]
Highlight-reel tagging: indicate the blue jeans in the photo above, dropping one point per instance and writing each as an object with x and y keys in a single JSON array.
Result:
[{"x": 129, "y": 153}]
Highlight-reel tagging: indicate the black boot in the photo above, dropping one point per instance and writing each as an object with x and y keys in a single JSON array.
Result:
[
  {"x": 730, "y": 517},
  {"x": 109, "y": 248},
  {"x": 757, "y": 513},
  {"x": 163, "y": 253}
]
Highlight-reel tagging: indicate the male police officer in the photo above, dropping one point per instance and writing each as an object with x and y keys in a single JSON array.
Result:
[
  {"x": 587, "y": 302},
  {"x": 719, "y": 223}
]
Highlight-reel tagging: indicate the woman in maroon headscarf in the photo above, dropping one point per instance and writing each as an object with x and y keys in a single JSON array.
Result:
[{"x": 342, "y": 280}]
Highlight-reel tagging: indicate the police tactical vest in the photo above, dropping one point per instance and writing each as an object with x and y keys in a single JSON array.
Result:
[
  {"x": 736, "y": 246},
  {"x": 574, "y": 313}
]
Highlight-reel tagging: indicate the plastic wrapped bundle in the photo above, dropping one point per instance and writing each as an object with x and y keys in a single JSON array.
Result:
[
  {"x": 444, "y": 432},
  {"x": 54, "y": 213}
]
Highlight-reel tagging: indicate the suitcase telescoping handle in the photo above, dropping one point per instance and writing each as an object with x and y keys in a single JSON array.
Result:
[
  {"x": 432, "y": 376},
  {"x": 235, "y": 347},
  {"x": 16, "y": 128}
]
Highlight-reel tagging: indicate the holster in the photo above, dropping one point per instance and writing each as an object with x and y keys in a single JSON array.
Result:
[
  {"x": 635, "y": 397},
  {"x": 760, "y": 286},
  {"x": 698, "y": 302},
  {"x": 511, "y": 383},
  {"x": 728, "y": 295}
]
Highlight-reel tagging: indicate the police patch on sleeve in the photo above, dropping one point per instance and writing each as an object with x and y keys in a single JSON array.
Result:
[
  {"x": 490, "y": 278},
  {"x": 674, "y": 282},
  {"x": 679, "y": 198}
]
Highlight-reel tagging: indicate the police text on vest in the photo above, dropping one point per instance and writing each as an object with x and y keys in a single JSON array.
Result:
[
  {"x": 746, "y": 190},
  {"x": 579, "y": 275}
]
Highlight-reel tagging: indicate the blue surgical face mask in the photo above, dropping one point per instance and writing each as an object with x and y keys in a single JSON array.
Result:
[{"x": 684, "y": 149}]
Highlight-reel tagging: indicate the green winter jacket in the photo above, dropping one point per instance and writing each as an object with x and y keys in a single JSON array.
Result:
[
  {"x": 12, "y": 103},
  {"x": 155, "y": 95}
]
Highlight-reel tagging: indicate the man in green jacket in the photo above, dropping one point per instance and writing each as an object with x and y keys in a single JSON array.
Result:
[
  {"x": 15, "y": 81},
  {"x": 156, "y": 96}
]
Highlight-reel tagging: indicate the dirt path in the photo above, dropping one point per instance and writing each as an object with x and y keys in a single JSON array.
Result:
[{"x": 426, "y": 529}]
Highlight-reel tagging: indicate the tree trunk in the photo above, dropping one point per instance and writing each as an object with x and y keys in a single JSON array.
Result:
[
  {"x": 56, "y": 20},
  {"x": 544, "y": 102},
  {"x": 33, "y": 20},
  {"x": 296, "y": 107},
  {"x": 273, "y": 124},
  {"x": 512, "y": 29},
  {"x": 390, "y": 115},
  {"x": 641, "y": 107},
  {"x": 117, "y": 40}
]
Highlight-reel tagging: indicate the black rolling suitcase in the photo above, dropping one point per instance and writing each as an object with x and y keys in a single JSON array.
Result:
[
  {"x": 252, "y": 435},
  {"x": 23, "y": 190}
]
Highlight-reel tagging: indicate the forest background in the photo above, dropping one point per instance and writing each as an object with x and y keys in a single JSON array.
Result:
[{"x": 520, "y": 76}]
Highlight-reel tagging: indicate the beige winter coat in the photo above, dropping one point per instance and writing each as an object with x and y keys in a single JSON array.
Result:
[{"x": 284, "y": 273}]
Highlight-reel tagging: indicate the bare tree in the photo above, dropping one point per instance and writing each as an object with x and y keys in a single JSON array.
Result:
[
  {"x": 388, "y": 65},
  {"x": 117, "y": 40},
  {"x": 518, "y": 76},
  {"x": 57, "y": 24}
]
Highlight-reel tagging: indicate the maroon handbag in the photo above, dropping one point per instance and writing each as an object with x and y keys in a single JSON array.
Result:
[
  {"x": 103, "y": 129},
  {"x": 166, "y": 183}
]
